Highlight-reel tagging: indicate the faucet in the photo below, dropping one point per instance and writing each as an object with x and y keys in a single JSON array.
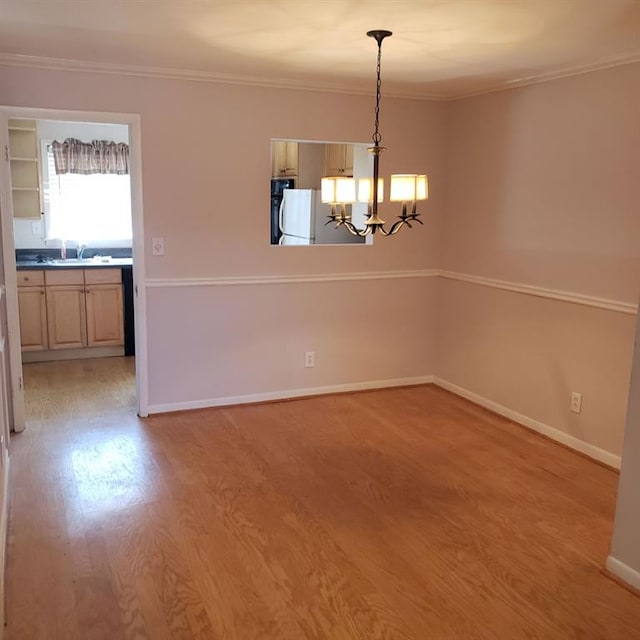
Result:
[{"x": 80, "y": 250}]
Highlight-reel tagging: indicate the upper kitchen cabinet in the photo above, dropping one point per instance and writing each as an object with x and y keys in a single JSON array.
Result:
[
  {"x": 284, "y": 162},
  {"x": 339, "y": 160},
  {"x": 25, "y": 168}
]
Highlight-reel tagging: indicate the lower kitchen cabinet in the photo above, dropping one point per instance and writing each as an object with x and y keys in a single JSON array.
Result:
[
  {"x": 33, "y": 318},
  {"x": 70, "y": 309},
  {"x": 105, "y": 324},
  {"x": 66, "y": 317}
]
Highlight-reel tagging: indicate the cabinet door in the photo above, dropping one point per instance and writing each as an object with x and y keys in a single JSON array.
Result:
[
  {"x": 348, "y": 159},
  {"x": 33, "y": 318},
  {"x": 105, "y": 323},
  {"x": 66, "y": 317},
  {"x": 333, "y": 163},
  {"x": 285, "y": 159},
  {"x": 291, "y": 156},
  {"x": 339, "y": 160}
]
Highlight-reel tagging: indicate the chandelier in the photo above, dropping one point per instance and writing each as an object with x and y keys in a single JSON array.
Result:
[{"x": 340, "y": 191}]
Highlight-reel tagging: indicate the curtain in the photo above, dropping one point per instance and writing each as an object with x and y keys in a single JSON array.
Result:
[{"x": 98, "y": 156}]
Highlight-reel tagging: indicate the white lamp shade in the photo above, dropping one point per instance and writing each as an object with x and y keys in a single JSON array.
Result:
[
  {"x": 346, "y": 190},
  {"x": 422, "y": 187},
  {"x": 365, "y": 193},
  {"x": 328, "y": 190},
  {"x": 338, "y": 190},
  {"x": 408, "y": 187}
]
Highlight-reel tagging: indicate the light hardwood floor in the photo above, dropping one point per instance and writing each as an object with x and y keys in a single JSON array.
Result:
[{"x": 395, "y": 514}]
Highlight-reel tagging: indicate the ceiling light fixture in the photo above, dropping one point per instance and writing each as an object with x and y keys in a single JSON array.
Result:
[{"x": 339, "y": 191}]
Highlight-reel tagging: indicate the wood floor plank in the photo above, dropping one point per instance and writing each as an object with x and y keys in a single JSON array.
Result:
[{"x": 404, "y": 514}]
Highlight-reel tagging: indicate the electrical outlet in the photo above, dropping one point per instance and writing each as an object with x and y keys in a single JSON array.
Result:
[
  {"x": 36, "y": 228},
  {"x": 310, "y": 359},
  {"x": 157, "y": 246},
  {"x": 576, "y": 402}
]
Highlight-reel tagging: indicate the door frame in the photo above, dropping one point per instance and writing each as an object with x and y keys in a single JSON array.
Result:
[{"x": 8, "y": 249}]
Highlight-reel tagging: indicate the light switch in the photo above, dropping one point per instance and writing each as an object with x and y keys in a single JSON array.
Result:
[
  {"x": 157, "y": 245},
  {"x": 36, "y": 228}
]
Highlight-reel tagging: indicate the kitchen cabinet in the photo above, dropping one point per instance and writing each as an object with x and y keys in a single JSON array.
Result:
[
  {"x": 66, "y": 313},
  {"x": 66, "y": 317},
  {"x": 105, "y": 323},
  {"x": 285, "y": 159},
  {"x": 25, "y": 168},
  {"x": 84, "y": 308},
  {"x": 339, "y": 159},
  {"x": 32, "y": 311},
  {"x": 70, "y": 309}
]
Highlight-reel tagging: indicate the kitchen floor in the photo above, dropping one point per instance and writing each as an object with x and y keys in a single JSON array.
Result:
[{"x": 68, "y": 389}]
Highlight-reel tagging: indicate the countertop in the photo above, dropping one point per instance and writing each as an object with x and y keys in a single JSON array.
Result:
[{"x": 74, "y": 263}]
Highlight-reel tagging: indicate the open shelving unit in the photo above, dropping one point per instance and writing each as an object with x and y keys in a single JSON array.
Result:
[{"x": 25, "y": 168}]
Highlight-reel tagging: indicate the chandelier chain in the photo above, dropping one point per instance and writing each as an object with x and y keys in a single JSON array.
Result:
[{"x": 377, "y": 138}]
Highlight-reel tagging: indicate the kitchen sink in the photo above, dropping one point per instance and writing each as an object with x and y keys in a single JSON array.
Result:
[{"x": 81, "y": 260}]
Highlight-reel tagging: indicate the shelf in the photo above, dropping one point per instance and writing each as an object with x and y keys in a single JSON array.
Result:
[{"x": 24, "y": 166}]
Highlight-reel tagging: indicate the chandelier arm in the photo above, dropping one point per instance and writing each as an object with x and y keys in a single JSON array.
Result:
[
  {"x": 414, "y": 217},
  {"x": 353, "y": 230},
  {"x": 395, "y": 227}
]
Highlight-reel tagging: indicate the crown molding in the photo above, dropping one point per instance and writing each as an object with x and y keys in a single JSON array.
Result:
[
  {"x": 167, "y": 73},
  {"x": 550, "y": 76},
  {"x": 64, "y": 64}
]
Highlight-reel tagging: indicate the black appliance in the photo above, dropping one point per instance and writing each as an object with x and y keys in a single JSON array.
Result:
[
  {"x": 127, "y": 302},
  {"x": 278, "y": 185}
]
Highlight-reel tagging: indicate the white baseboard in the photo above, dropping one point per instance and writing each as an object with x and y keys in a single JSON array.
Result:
[
  {"x": 555, "y": 434},
  {"x": 624, "y": 572},
  {"x": 288, "y": 395},
  {"x": 4, "y": 526}
]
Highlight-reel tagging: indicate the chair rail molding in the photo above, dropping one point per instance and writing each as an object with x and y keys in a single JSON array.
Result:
[
  {"x": 544, "y": 292},
  {"x": 505, "y": 285}
]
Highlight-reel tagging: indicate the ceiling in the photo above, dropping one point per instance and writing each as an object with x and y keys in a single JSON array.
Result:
[{"x": 440, "y": 48}]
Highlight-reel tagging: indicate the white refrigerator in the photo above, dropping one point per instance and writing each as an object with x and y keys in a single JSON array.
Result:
[{"x": 298, "y": 212}]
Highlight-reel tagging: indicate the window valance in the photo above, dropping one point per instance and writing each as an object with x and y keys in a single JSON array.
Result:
[{"x": 98, "y": 156}]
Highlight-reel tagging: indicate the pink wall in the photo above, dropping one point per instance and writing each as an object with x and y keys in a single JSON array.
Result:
[
  {"x": 256, "y": 337},
  {"x": 543, "y": 190},
  {"x": 206, "y": 170},
  {"x": 625, "y": 550}
]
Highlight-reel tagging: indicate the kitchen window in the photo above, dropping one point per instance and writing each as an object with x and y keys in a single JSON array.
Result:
[{"x": 94, "y": 209}]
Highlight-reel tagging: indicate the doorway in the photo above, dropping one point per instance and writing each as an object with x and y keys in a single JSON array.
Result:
[{"x": 99, "y": 263}]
